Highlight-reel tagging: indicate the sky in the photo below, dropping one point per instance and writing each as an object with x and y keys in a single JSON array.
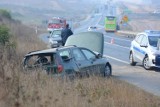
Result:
[{"x": 98, "y": 1}]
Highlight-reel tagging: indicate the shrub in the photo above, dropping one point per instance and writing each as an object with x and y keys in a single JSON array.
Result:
[
  {"x": 5, "y": 14},
  {"x": 4, "y": 35}
]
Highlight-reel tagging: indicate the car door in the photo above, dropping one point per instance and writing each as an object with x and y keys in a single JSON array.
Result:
[
  {"x": 96, "y": 63},
  {"x": 143, "y": 47},
  {"x": 67, "y": 61},
  {"x": 137, "y": 48},
  {"x": 82, "y": 63}
]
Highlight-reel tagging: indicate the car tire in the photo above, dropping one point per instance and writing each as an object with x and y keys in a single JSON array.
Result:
[
  {"x": 145, "y": 63},
  {"x": 131, "y": 59},
  {"x": 107, "y": 71}
]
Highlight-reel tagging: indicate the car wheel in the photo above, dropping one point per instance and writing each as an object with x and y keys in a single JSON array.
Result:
[
  {"x": 146, "y": 63},
  {"x": 131, "y": 60},
  {"x": 107, "y": 71}
]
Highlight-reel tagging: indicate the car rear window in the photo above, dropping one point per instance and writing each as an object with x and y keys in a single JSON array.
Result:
[{"x": 37, "y": 60}]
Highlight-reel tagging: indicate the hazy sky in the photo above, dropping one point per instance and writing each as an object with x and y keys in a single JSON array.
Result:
[{"x": 98, "y": 1}]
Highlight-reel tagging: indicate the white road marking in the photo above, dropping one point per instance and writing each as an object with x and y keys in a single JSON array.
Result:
[
  {"x": 99, "y": 20},
  {"x": 116, "y": 59},
  {"x": 117, "y": 45},
  {"x": 118, "y": 38}
]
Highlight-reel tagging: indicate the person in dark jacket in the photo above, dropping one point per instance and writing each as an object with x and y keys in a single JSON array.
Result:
[{"x": 66, "y": 32}]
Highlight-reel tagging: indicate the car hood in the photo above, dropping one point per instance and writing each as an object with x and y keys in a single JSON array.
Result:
[{"x": 91, "y": 40}]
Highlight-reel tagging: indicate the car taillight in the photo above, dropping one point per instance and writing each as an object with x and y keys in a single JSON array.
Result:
[{"x": 60, "y": 68}]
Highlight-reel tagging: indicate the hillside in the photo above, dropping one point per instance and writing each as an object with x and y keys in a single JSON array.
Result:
[
  {"x": 38, "y": 11},
  {"x": 141, "y": 17}
]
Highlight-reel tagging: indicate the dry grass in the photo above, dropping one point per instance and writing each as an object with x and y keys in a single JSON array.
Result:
[{"x": 36, "y": 89}]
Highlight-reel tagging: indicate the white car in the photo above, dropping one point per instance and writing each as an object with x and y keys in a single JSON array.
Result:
[
  {"x": 92, "y": 28},
  {"x": 156, "y": 12},
  {"x": 145, "y": 49},
  {"x": 55, "y": 39}
]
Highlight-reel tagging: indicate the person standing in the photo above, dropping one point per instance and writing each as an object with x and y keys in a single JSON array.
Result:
[{"x": 65, "y": 33}]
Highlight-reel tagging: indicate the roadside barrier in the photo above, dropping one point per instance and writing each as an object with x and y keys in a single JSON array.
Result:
[{"x": 129, "y": 34}]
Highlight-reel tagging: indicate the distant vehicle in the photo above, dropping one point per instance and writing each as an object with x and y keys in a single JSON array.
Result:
[
  {"x": 73, "y": 61},
  {"x": 110, "y": 23},
  {"x": 144, "y": 49},
  {"x": 92, "y": 28},
  {"x": 156, "y": 12},
  {"x": 55, "y": 39},
  {"x": 56, "y": 23}
]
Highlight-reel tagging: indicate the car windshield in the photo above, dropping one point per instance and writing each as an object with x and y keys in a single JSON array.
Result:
[
  {"x": 153, "y": 40},
  {"x": 110, "y": 17},
  {"x": 56, "y": 33}
]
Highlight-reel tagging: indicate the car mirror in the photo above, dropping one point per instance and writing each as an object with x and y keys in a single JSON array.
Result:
[{"x": 98, "y": 55}]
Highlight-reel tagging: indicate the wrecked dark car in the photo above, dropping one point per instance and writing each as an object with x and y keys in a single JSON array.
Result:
[{"x": 77, "y": 58}]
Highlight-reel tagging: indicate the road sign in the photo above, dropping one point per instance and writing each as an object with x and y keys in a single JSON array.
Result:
[{"x": 125, "y": 18}]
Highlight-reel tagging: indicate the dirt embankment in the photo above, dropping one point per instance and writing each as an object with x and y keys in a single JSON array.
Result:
[{"x": 142, "y": 17}]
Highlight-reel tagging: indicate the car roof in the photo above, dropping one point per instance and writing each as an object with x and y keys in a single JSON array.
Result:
[
  {"x": 52, "y": 50},
  {"x": 151, "y": 33},
  {"x": 57, "y": 29},
  {"x": 92, "y": 27}
]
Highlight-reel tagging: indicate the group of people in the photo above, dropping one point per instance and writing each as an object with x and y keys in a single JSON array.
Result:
[{"x": 65, "y": 33}]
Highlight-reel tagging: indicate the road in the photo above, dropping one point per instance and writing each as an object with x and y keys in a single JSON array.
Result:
[{"x": 116, "y": 49}]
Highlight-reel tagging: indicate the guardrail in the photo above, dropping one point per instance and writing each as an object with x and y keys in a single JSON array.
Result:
[{"x": 129, "y": 34}]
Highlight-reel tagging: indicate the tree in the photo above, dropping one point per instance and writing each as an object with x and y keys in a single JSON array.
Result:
[{"x": 5, "y": 14}]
